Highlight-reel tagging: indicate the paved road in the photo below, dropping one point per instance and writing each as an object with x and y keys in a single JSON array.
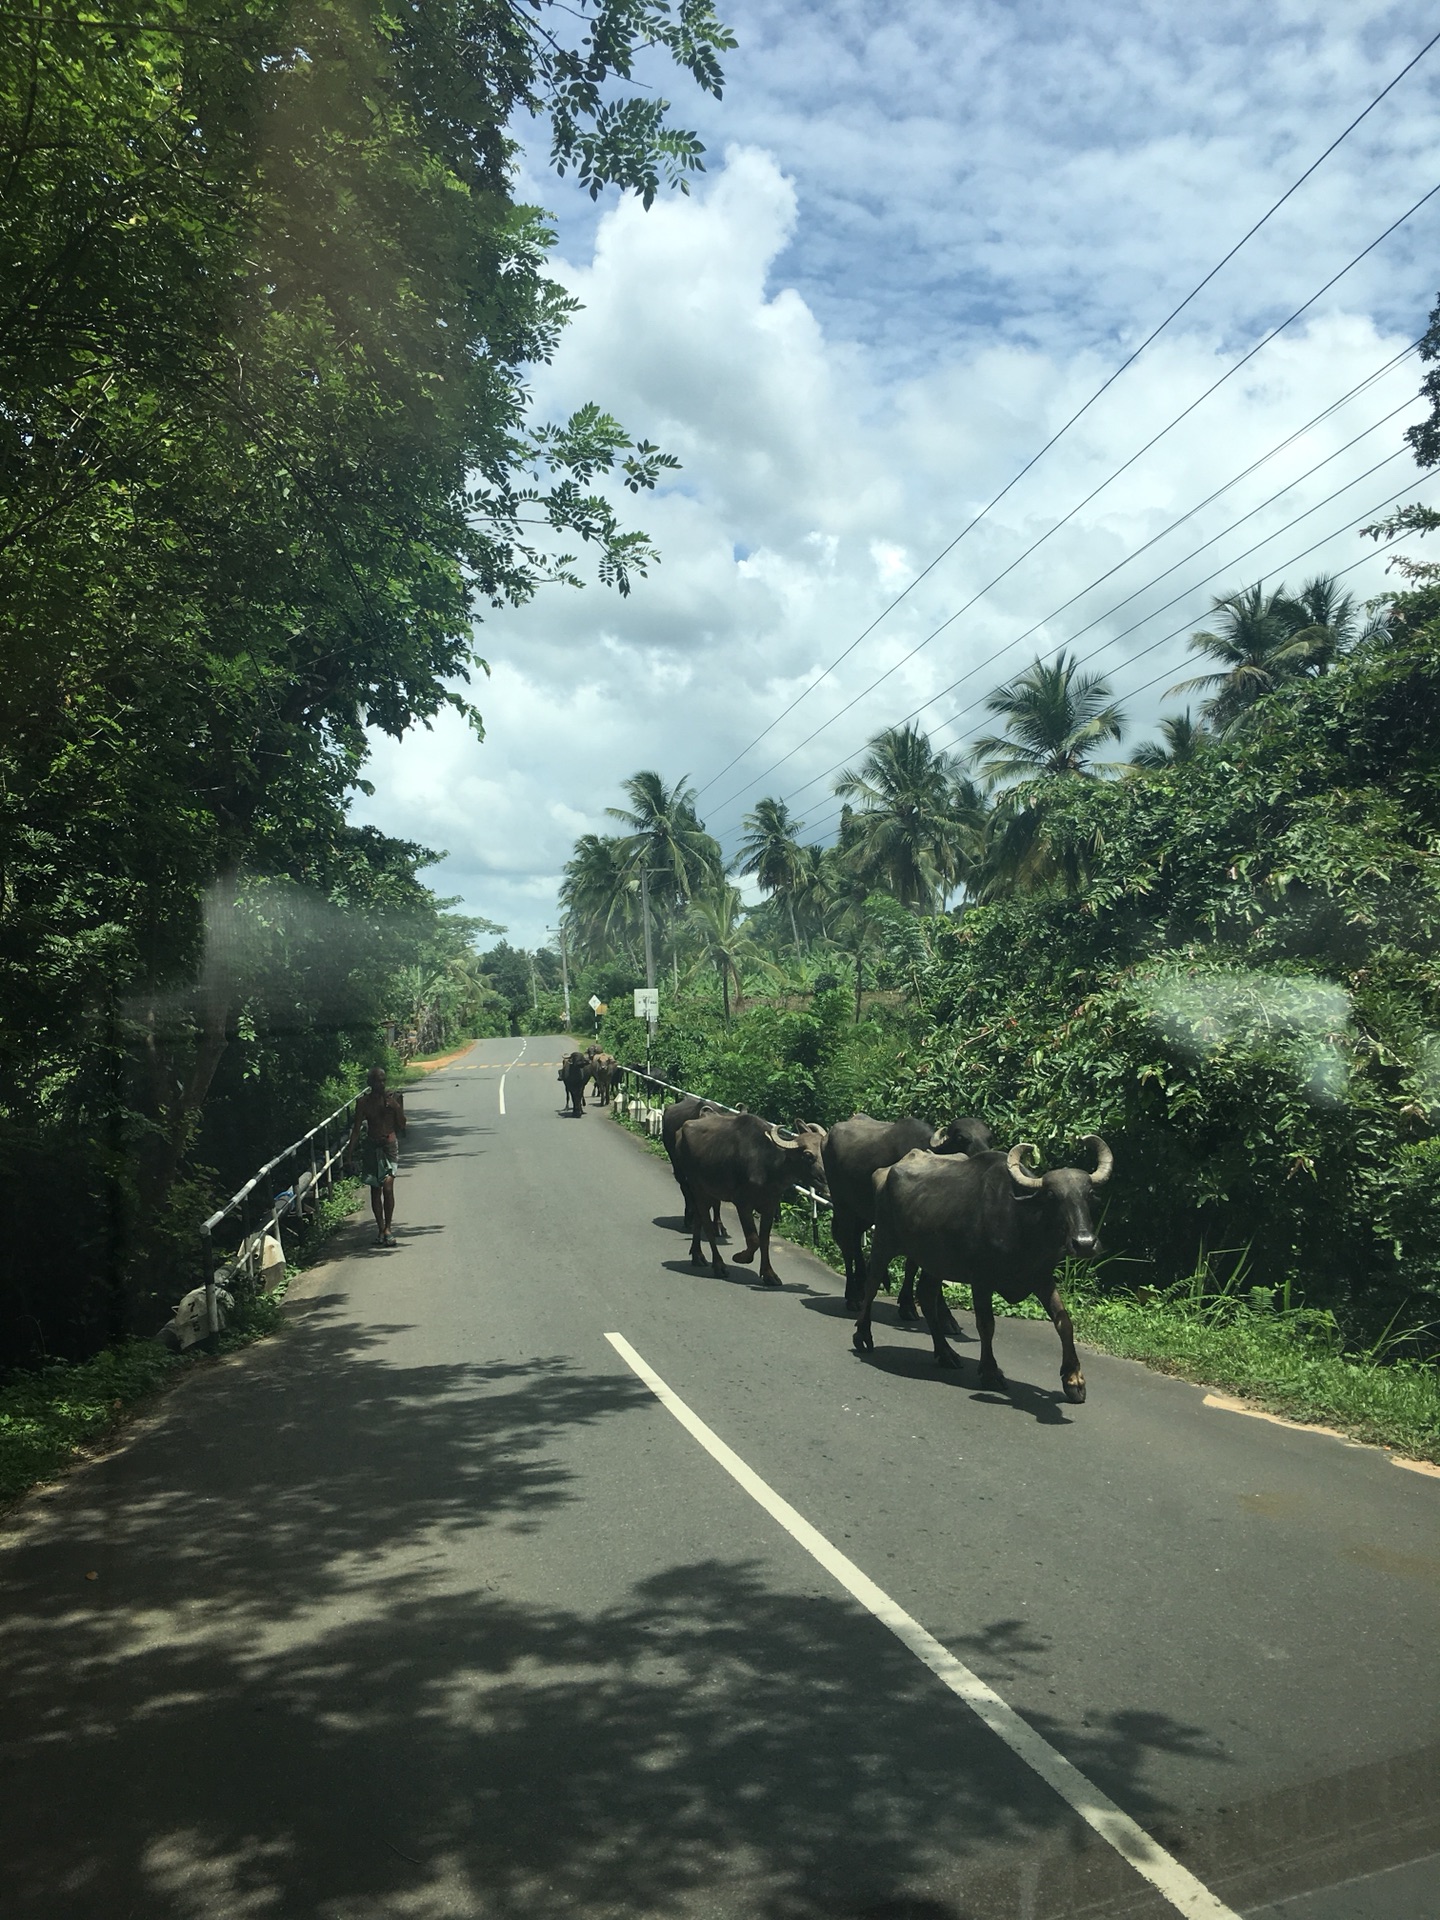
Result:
[{"x": 430, "y": 1607}]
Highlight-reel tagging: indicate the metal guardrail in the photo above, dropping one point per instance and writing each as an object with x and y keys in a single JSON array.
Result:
[
  {"x": 320, "y": 1176},
  {"x": 817, "y": 1200}
]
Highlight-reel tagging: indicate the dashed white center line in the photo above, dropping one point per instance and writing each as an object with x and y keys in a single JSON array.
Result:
[
  {"x": 514, "y": 1063},
  {"x": 1149, "y": 1859}
]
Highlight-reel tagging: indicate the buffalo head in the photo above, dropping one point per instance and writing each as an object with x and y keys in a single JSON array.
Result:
[
  {"x": 966, "y": 1135},
  {"x": 1066, "y": 1192},
  {"x": 807, "y": 1147}
]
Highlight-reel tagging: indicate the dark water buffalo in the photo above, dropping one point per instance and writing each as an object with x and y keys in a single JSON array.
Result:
[
  {"x": 671, "y": 1121},
  {"x": 574, "y": 1072},
  {"x": 990, "y": 1222},
  {"x": 743, "y": 1159},
  {"x": 855, "y": 1151},
  {"x": 605, "y": 1073}
]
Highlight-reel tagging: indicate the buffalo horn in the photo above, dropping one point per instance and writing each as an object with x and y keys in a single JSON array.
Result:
[
  {"x": 1017, "y": 1172},
  {"x": 1104, "y": 1159},
  {"x": 774, "y": 1133}
]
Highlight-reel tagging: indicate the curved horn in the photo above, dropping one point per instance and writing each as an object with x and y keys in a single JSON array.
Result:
[
  {"x": 1017, "y": 1173},
  {"x": 774, "y": 1133},
  {"x": 1104, "y": 1159}
]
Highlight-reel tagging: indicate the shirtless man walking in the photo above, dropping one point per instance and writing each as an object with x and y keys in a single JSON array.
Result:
[{"x": 381, "y": 1116}]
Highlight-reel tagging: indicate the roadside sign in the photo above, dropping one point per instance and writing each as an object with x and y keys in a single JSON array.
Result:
[
  {"x": 647, "y": 1004},
  {"x": 595, "y": 1003}
]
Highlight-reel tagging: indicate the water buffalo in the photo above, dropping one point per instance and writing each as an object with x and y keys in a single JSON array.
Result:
[
  {"x": 574, "y": 1072},
  {"x": 671, "y": 1121},
  {"x": 987, "y": 1220},
  {"x": 741, "y": 1158},
  {"x": 605, "y": 1072},
  {"x": 855, "y": 1150}
]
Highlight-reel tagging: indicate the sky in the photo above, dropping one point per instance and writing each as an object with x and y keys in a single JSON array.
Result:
[{"x": 926, "y": 234}]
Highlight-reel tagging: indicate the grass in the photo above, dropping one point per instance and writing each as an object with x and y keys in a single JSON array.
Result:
[{"x": 49, "y": 1414}]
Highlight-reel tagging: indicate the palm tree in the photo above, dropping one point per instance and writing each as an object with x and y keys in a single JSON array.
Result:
[
  {"x": 855, "y": 928},
  {"x": 599, "y": 891},
  {"x": 1181, "y": 739},
  {"x": 772, "y": 852},
  {"x": 668, "y": 841},
  {"x": 1055, "y": 719},
  {"x": 811, "y": 899},
  {"x": 914, "y": 831},
  {"x": 1325, "y": 623},
  {"x": 1257, "y": 642},
  {"x": 716, "y": 921}
]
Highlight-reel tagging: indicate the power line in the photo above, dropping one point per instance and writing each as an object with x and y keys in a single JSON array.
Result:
[
  {"x": 1184, "y": 560},
  {"x": 1339, "y": 574},
  {"x": 1035, "y": 459},
  {"x": 822, "y": 825},
  {"x": 1094, "y": 492}
]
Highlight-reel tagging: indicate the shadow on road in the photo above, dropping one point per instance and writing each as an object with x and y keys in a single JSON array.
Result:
[
  {"x": 918, "y": 1363},
  {"x": 275, "y": 1701}
]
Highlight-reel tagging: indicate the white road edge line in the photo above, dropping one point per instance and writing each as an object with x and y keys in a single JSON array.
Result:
[
  {"x": 1149, "y": 1859},
  {"x": 514, "y": 1063}
]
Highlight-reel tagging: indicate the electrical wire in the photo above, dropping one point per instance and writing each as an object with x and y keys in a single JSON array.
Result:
[
  {"x": 1035, "y": 459},
  {"x": 1093, "y": 494},
  {"x": 1184, "y": 560},
  {"x": 823, "y": 825}
]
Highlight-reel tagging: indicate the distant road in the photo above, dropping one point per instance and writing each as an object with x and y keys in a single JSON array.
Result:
[{"x": 433, "y": 1608}]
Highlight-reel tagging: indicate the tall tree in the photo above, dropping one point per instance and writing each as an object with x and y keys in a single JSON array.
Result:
[
  {"x": 1056, "y": 719},
  {"x": 914, "y": 830},
  {"x": 1255, "y": 644},
  {"x": 601, "y": 894},
  {"x": 1326, "y": 622},
  {"x": 666, "y": 836},
  {"x": 1181, "y": 739},
  {"x": 771, "y": 851},
  {"x": 267, "y": 307},
  {"x": 716, "y": 920}
]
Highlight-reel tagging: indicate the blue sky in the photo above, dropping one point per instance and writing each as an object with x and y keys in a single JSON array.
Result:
[{"x": 925, "y": 235}]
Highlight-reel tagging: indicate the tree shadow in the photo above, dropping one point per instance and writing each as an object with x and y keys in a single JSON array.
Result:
[{"x": 299, "y": 1692}]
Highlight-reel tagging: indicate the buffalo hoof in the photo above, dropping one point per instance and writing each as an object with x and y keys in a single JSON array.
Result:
[
  {"x": 745, "y": 1255},
  {"x": 863, "y": 1340},
  {"x": 906, "y": 1317},
  {"x": 1075, "y": 1390},
  {"x": 945, "y": 1358},
  {"x": 993, "y": 1380},
  {"x": 719, "y": 1269},
  {"x": 951, "y": 1324},
  {"x": 771, "y": 1280}
]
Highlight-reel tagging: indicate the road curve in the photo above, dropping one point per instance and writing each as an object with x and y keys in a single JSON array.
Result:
[{"x": 431, "y": 1607}]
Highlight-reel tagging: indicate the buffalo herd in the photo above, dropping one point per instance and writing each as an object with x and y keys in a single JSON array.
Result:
[
  {"x": 594, "y": 1068},
  {"x": 942, "y": 1198}
]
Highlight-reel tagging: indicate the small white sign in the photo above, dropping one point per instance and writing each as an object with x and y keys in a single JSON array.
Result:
[
  {"x": 595, "y": 1003},
  {"x": 647, "y": 1003}
]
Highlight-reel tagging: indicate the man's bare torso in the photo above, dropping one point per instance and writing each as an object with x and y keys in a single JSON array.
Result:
[{"x": 382, "y": 1116}]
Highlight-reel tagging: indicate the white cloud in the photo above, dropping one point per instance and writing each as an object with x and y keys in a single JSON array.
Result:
[{"x": 826, "y": 461}]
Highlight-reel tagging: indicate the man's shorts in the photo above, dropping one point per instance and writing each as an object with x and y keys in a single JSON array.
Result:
[{"x": 377, "y": 1165}]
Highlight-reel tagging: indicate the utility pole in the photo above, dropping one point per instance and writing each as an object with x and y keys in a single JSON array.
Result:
[
  {"x": 559, "y": 932},
  {"x": 534, "y": 990},
  {"x": 645, "y": 915}
]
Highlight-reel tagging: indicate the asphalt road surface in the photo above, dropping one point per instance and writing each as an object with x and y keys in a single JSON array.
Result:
[{"x": 433, "y": 1606}]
